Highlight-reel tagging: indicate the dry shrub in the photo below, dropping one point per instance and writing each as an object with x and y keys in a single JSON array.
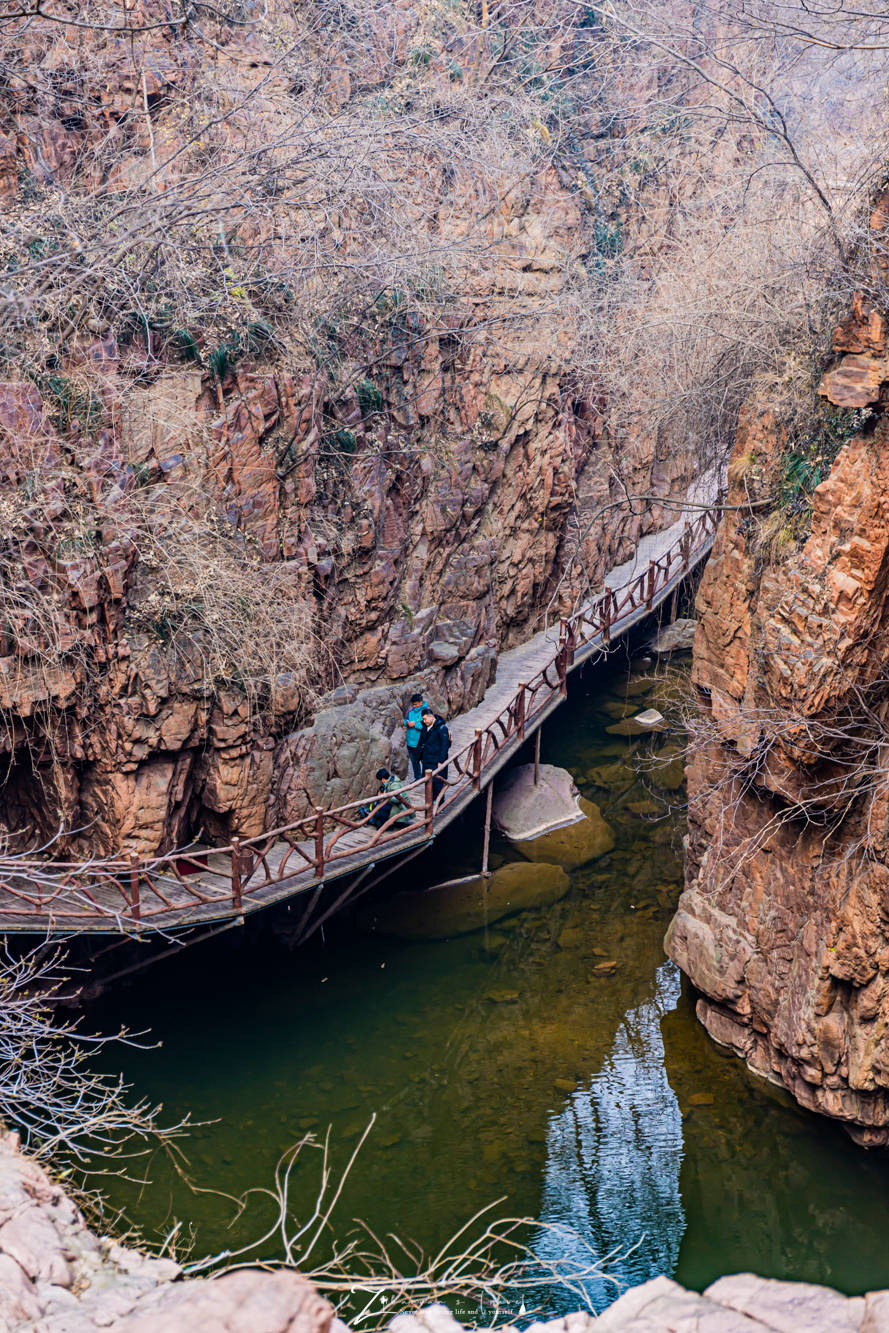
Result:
[
  {"x": 184, "y": 578},
  {"x": 207, "y": 595}
]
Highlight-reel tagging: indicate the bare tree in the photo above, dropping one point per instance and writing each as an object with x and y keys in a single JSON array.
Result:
[{"x": 66, "y": 1110}]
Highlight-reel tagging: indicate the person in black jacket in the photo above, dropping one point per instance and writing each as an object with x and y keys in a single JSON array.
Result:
[{"x": 433, "y": 746}]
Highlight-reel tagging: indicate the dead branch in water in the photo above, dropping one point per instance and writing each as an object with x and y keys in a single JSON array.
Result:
[{"x": 489, "y": 1263}]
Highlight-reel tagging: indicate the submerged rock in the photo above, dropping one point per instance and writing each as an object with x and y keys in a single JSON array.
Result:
[
  {"x": 576, "y": 843},
  {"x": 668, "y": 769},
  {"x": 616, "y": 708},
  {"x": 644, "y": 808},
  {"x": 464, "y": 905},
  {"x": 637, "y": 685},
  {"x": 614, "y": 778},
  {"x": 639, "y": 725},
  {"x": 522, "y": 809}
]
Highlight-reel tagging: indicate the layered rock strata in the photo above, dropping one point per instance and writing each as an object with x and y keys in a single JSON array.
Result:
[
  {"x": 421, "y": 512},
  {"x": 784, "y": 922}
]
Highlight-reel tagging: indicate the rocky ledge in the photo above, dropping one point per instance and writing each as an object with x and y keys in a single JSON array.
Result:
[
  {"x": 56, "y": 1276},
  {"x": 740, "y": 1304}
]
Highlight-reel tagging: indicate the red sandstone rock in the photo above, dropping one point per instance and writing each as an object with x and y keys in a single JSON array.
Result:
[{"x": 784, "y": 924}]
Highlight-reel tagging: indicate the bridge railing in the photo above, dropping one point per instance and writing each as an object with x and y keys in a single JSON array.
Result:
[{"x": 131, "y": 893}]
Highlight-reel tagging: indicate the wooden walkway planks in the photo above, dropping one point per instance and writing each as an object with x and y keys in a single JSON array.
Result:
[{"x": 164, "y": 901}]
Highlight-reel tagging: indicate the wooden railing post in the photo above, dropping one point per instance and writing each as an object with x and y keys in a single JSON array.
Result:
[
  {"x": 236, "y": 874},
  {"x": 477, "y": 760},
  {"x": 605, "y": 612},
  {"x": 430, "y": 822},
  {"x": 649, "y": 586},
  {"x": 562, "y": 670},
  {"x": 319, "y": 842},
  {"x": 135, "y": 892},
  {"x": 684, "y": 545},
  {"x": 571, "y": 643},
  {"x": 520, "y": 710}
]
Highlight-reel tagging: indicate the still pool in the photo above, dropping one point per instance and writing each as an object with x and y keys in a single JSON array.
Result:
[{"x": 502, "y": 1065}]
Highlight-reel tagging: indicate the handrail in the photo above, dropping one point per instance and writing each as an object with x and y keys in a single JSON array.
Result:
[{"x": 132, "y": 892}]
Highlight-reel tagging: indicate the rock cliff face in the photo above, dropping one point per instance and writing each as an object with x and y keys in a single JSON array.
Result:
[
  {"x": 420, "y": 519},
  {"x": 784, "y": 922}
]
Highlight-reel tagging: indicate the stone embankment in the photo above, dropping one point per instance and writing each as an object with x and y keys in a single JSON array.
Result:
[
  {"x": 783, "y": 925},
  {"x": 56, "y": 1276}
]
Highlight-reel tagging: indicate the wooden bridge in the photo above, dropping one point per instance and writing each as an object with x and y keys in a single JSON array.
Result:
[{"x": 199, "y": 886}]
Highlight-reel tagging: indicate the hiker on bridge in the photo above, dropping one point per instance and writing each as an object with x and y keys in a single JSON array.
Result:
[
  {"x": 435, "y": 743},
  {"x": 394, "y": 805},
  {"x": 413, "y": 726}
]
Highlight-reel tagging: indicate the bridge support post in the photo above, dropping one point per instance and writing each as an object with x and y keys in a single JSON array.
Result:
[
  {"x": 319, "y": 842},
  {"x": 236, "y": 874},
  {"x": 486, "y": 847},
  {"x": 537, "y": 755},
  {"x": 135, "y": 899}
]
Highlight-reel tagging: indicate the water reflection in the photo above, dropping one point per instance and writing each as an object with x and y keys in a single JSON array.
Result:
[{"x": 613, "y": 1159}]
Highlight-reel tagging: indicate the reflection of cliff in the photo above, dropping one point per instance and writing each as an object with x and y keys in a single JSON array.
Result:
[
  {"x": 766, "y": 1187},
  {"x": 613, "y": 1159}
]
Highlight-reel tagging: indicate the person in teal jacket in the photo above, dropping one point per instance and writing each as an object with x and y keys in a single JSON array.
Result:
[{"x": 413, "y": 725}]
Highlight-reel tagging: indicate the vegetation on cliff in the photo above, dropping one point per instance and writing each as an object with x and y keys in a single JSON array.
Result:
[{"x": 337, "y": 339}]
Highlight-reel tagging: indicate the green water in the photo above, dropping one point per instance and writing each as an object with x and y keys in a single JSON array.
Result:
[{"x": 499, "y": 1064}]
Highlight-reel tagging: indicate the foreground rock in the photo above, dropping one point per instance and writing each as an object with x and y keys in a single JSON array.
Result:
[
  {"x": 740, "y": 1304},
  {"x": 57, "y": 1277}
]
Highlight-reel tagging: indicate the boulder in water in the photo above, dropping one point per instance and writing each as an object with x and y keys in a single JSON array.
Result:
[
  {"x": 574, "y": 844},
  {"x": 522, "y": 810},
  {"x": 668, "y": 771},
  {"x": 648, "y": 720},
  {"x": 463, "y": 905}
]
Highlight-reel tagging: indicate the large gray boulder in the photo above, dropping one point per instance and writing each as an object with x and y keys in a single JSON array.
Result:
[
  {"x": 676, "y": 638},
  {"x": 523, "y": 810},
  {"x": 550, "y": 822}
]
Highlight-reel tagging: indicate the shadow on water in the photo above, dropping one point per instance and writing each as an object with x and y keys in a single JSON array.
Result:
[{"x": 509, "y": 1062}]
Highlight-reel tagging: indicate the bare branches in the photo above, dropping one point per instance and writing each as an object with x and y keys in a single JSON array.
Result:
[
  {"x": 63, "y": 1107},
  {"x": 490, "y": 1263}
]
